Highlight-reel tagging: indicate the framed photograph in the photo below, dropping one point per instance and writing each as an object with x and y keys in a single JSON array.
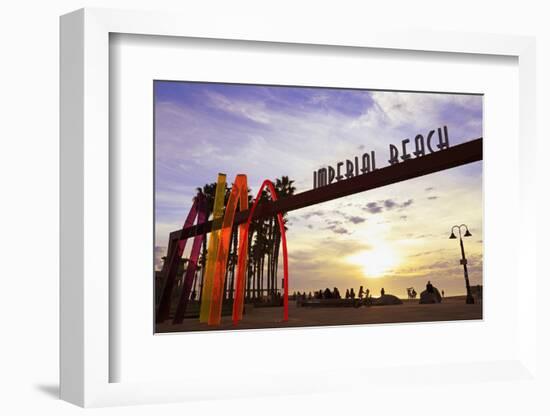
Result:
[
  {"x": 346, "y": 249},
  {"x": 313, "y": 198}
]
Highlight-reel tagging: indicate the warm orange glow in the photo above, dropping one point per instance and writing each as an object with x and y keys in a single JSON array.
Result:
[{"x": 377, "y": 262}]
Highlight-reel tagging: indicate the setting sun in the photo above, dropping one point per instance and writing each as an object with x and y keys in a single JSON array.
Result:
[{"x": 377, "y": 262}]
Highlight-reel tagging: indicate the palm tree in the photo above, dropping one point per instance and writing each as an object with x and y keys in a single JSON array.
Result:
[
  {"x": 250, "y": 271},
  {"x": 284, "y": 188},
  {"x": 264, "y": 241},
  {"x": 182, "y": 267},
  {"x": 232, "y": 260}
]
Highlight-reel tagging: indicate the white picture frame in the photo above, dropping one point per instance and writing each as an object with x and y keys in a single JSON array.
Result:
[{"x": 85, "y": 183}]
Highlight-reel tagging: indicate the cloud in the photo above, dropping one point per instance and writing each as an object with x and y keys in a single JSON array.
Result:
[
  {"x": 439, "y": 265},
  {"x": 389, "y": 204},
  {"x": 433, "y": 197},
  {"x": 355, "y": 219},
  {"x": 373, "y": 208},
  {"x": 402, "y": 109},
  {"x": 159, "y": 253},
  {"x": 253, "y": 111},
  {"x": 337, "y": 229},
  {"x": 316, "y": 264},
  {"x": 425, "y": 253},
  {"x": 317, "y": 213},
  {"x": 424, "y": 236},
  {"x": 386, "y": 205}
]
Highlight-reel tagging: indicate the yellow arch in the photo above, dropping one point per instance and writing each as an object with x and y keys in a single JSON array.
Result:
[{"x": 213, "y": 244}]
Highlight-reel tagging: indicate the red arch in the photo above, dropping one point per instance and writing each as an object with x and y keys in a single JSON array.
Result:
[{"x": 238, "y": 303}]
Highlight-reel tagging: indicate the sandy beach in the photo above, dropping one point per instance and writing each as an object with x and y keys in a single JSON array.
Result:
[{"x": 451, "y": 309}]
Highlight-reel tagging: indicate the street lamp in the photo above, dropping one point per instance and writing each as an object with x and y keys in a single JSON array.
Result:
[{"x": 463, "y": 261}]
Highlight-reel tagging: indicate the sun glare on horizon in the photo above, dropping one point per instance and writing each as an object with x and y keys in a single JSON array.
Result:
[{"x": 377, "y": 262}]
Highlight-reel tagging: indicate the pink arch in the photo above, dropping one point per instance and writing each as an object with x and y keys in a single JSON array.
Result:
[
  {"x": 199, "y": 210},
  {"x": 239, "y": 299}
]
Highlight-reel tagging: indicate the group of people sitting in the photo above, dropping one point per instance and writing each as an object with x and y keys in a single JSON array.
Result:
[
  {"x": 350, "y": 294},
  {"x": 334, "y": 294},
  {"x": 319, "y": 294}
]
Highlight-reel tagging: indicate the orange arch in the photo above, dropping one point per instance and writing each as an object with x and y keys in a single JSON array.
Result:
[
  {"x": 238, "y": 195},
  {"x": 238, "y": 302}
]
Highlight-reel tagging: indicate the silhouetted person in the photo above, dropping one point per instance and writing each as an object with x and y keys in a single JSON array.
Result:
[
  {"x": 336, "y": 293},
  {"x": 382, "y": 292},
  {"x": 368, "y": 293},
  {"x": 347, "y": 293},
  {"x": 309, "y": 296},
  {"x": 429, "y": 287},
  {"x": 442, "y": 293},
  {"x": 351, "y": 294},
  {"x": 361, "y": 292},
  {"x": 327, "y": 294}
]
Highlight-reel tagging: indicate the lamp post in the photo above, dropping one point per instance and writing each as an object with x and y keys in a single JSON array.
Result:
[{"x": 463, "y": 261}]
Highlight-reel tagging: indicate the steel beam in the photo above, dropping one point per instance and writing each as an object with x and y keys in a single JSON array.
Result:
[{"x": 452, "y": 157}]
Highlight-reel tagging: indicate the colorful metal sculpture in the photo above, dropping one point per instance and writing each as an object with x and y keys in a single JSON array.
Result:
[
  {"x": 174, "y": 257},
  {"x": 238, "y": 302},
  {"x": 206, "y": 297},
  {"x": 238, "y": 195},
  {"x": 217, "y": 256},
  {"x": 191, "y": 265}
]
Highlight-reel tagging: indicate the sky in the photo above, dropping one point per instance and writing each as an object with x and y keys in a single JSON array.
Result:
[{"x": 394, "y": 237}]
